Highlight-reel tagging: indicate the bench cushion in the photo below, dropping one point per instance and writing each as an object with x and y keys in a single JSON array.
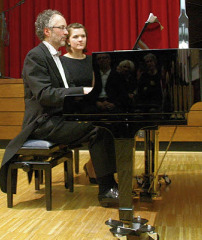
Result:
[{"x": 38, "y": 144}]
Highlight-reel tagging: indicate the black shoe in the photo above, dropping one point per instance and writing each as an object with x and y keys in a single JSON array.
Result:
[
  {"x": 91, "y": 180},
  {"x": 109, "y": 197}
]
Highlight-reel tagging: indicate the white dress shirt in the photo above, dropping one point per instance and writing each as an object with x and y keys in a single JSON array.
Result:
[
  {"x": 104, "y": 77},
  {"x": 55, "y": 54}
]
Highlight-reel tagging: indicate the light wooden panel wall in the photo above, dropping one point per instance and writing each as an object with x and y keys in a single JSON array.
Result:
[
  {"x": 11, "y": 107},
  {"x": 12, "y": 111},
  {"x": 190, "y": 133}
]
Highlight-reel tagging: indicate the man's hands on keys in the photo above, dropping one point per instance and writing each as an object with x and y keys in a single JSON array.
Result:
[{"x": 86, "y": 90}]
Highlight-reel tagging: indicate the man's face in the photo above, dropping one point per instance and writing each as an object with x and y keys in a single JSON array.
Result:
[
  {"x": 150, "y": 63},
  {"x": 56, "y": 35},
  {"x": 103, "y": 60}
]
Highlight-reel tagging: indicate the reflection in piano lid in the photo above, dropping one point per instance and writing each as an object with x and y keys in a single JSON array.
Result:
[{"x": 162, "y": 84}]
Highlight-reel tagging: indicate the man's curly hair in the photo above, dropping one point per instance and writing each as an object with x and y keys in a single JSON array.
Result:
[{"x": 43, "y": 21}]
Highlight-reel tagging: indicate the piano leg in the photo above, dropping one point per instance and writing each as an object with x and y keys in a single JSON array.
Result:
[
  {"x": 126, "y": 227},
  {"x": 124, "y": 156}
]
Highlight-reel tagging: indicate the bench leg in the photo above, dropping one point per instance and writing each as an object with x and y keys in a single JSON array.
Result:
[
  {"x": 11, "y": 185},
  {"x": 37, "y": 179},
  {"x": 70, "y": 175},
  {"x": 76, "y": 160},
  {"x": 66, "y": 175},
  {"x": 48, "y": 187},
  {"x": 14, "y": 180},
  {"x": 41, "y": 177}
]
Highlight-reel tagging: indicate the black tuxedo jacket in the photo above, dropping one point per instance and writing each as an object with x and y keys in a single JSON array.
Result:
[{"x": 44, "y": 95}]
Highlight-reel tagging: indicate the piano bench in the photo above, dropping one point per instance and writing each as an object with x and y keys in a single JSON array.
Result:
[{"x": 40, "y": 156}]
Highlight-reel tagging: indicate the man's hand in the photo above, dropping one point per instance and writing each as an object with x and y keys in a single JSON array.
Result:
[{"x": 86, "y": 90}]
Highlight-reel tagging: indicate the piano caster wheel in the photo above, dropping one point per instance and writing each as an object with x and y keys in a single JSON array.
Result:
[
  {"x": 140, "y": 181},
  {"x": 167, "y": 180}
]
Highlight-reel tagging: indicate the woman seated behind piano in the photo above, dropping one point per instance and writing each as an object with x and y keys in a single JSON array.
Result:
[{"x": 79, "y": 66}]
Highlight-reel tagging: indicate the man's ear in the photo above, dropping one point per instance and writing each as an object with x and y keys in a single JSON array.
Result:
[{"x": 47, "y": 32}]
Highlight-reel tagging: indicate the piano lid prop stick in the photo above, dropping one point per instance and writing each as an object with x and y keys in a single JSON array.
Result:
[{"x": 151, "y": 19}]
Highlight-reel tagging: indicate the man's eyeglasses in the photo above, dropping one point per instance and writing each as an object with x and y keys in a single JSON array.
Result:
[{"x": 63, "y": 28}]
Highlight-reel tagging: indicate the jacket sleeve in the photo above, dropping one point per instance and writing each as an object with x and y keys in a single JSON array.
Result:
[{"x": 41, "y": 80}]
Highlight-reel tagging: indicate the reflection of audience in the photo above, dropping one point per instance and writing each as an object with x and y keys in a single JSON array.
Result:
[
  {"x": 149, "y": 86},
  {"x": 107, "y": 84},
  {"x": 126, "y": 69},
  {"x": 166, "y": 89}
]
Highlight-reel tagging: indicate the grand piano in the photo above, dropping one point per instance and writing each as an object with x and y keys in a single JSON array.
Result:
[
  {"x": 141, "y": 100},
  {"x": 147, "y": 89}
]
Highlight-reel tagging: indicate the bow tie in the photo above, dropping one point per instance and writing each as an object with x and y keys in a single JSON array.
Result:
[{"x": 58, "y": 53}]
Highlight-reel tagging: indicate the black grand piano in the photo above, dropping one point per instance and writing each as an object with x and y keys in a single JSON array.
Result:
[{"x": 146, "y": 89}]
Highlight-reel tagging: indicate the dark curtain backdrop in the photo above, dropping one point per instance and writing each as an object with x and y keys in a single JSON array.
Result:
[{"x": 111, "y": 24}]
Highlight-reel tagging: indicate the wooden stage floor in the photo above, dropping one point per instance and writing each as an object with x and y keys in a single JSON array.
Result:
[{"x": 176, "y": 213}]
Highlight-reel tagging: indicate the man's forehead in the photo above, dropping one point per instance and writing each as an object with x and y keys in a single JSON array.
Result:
[{"x": 58, "y": 19}]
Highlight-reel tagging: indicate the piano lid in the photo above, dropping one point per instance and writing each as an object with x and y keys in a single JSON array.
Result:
[{"x": 161, "y": 84}]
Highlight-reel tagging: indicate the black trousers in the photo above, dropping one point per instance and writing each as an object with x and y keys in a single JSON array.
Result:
[{"x": 100, "y": 141}]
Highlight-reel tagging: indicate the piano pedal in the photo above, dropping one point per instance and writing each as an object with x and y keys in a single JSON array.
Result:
[{"x": 139, "y": 229}]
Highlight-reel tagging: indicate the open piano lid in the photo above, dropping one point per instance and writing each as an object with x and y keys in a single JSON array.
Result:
[{"x": 161, "y": 83}]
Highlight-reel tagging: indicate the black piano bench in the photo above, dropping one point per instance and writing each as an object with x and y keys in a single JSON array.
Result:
[{"x": 40, "y": 156}]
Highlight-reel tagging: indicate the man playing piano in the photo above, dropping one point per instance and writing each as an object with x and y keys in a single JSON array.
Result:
[{"x": 46, "y": 82}]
